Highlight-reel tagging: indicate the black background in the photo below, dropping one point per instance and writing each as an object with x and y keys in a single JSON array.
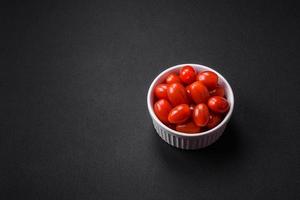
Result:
[{"x": 74, "y": 78}]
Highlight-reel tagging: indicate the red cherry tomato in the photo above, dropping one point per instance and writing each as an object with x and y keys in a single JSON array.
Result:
[
  {"x": 179, "y": 114},
  {"x": 214, "y": 120},
  {"x": 177, "y": 94},
  {"x": 173, "y": 78},
  {"x": 187, "y": 74},
  {"x": 189, "y": 127},
  {"x": 188, "y": 92},
  {"x": 188, "y": 89},
  {"x": 218, "y": 91},
  {"x": 208, "y": 78},
  {"x": 218, "y": 104},
  {"x": 192, "y": 107},
  {"x": 160, "y": 91},
  {"x": 176, "y": 105},
  {"x": 199, "y": 92},
  {"x": 162, "y": 108},
  {"x": 201, "y": 115}
]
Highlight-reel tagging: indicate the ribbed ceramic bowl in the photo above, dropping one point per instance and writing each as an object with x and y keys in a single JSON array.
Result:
[{"x": 187, "y": 140}]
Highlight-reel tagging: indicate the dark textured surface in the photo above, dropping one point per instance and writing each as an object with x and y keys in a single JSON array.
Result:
[{"x": 74, "y": 77}]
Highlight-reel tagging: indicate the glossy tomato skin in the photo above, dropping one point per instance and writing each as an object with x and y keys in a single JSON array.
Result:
[
  {"x": 214, "y": 120},
  {"x": 179, "y": 114},
  {"x": 187, "y": 74},
  {"x": 218, "y": 104},
  {"x": 201, "y": 115},
  {"x": 162, "y": 108},
  {"x": 218, "y": 91},
  {"x": 188, "y": 90},
  {"x": 177, "y": 94},
  {"x": 160, "y": 91},
  {"x": 188, "y": 93},
  {"x": 208, "y": 78},
  {"x": 188, "y": 127},
  {"x": 173, "y": 78},
  {"x": 198, "y": 92},
  {"x": 192, "y": 107}
]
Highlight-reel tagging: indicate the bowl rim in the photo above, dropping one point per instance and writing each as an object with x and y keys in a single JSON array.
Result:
[{"x": 154, "y": 117}]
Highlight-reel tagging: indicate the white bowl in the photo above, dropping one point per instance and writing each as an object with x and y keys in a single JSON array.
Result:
[{"x": 188, "y": 140}]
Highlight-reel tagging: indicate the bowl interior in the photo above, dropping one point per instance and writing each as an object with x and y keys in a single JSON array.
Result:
[{"x": 161, "y": 78}]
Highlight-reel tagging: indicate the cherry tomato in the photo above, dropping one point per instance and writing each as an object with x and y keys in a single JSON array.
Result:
[
  {"x": 173, "y": 78},
  {"x": 177, "y": 94},
  {"x": 188, "y": 89},
  {"x": 199, "y": 92},
  {"x": 162, "y": 108},
  {"x": 208, "y": 78},
  {"x": 218, "y": 104},
  {"x": 187, "y": 74},
  {"x": 218, "y": 91},
  {"x": 188, "y": 92},
  {"x": 189, "y": 127},
  {"x": 179, "y": 114},
  {"x": 201, "y": 115},
  {"x": 214, "y": 120},
  {"x": 160, "y": 91},
  {"x": 192, "y": 107}
]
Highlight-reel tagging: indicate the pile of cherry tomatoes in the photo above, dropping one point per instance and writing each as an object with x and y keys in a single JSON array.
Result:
[{"x": 190, "y": 102}]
